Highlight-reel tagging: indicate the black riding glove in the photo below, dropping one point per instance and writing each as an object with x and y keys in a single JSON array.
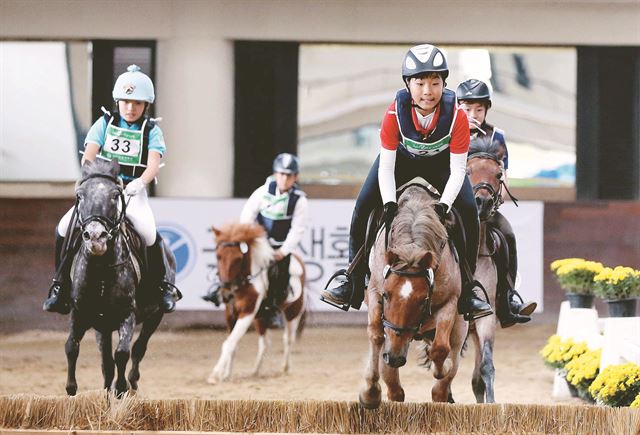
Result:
[
  {"x": 443, "y": 211},
  {"x": 390, "y": 210}
]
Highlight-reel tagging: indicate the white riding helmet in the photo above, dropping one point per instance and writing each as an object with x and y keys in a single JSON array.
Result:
[{"x": 134, "y": 85}]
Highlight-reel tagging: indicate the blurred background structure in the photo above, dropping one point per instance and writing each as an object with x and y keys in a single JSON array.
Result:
[{"x": 238, "y": 81}]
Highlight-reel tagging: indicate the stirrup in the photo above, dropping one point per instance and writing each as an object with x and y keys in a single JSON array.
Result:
[
  {"x": 526, "y": 309},
  {"x": 171, "y": 288},
  {"x": 347, "y": 275}
]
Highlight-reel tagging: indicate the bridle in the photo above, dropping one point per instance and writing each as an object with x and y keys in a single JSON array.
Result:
[
  {"x": 240, "y": 281},
  {"x": 495, "y": 195},
  {"x": 112, "y": 226},
  {"x": 429, "y": 277}
]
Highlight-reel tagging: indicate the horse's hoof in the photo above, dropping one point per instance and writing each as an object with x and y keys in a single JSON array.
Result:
[
  {"x": 72, "y": 390},
  {"x": 213, "y": 380},
  {"x": 370, "y": 398}
]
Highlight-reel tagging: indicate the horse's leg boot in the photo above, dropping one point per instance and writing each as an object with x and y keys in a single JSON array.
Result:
[{"x": 59, "y": 300}]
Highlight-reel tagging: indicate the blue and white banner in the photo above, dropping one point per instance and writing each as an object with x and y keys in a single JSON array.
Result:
[{"x": 186, "y": 226}]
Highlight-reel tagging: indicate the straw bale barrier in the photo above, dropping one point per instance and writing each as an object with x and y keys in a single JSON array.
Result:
[{"x": 97, "y": 411}]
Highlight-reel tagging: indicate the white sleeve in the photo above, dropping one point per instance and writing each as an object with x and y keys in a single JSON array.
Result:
[
  {"x": 386, "y": 175},
  {"x": 298, "y": 226},
  {"x": 251, "y": 208},
  {"x": 458, "y": 166}
]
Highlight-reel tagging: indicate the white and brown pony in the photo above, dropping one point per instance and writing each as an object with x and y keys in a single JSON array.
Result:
[
  {"x": 485, "y": 174},
  {"x": 413, "y": 295},
  {"x": 244, "y": 257}
]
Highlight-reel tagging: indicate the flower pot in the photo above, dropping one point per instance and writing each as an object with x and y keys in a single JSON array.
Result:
[
  {"x": 622, "y": 307},
  {"x": 577, "y": 300}
]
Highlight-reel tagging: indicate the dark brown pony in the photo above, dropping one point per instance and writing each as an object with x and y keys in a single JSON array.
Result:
[
  {"x": 485, "y": 174},
  {"x": 414, "y": 289},
  {"x": 244, "y": 256}
]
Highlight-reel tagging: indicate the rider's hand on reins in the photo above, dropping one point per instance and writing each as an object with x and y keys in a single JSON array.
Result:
[
  {"x": 390, "y": 210},
  {"x": 135, "y": 187},
  {"x": 443, "y": 211}
]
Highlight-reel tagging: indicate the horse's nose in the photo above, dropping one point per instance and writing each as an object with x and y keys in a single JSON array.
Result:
[
  {"x": 394, "y": 361},
  {"x": 86, "y": 236},
  {"x": 478, "y": 201}
]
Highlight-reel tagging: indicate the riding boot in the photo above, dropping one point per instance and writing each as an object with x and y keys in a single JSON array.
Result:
[
  {"x": 470, "y": 304},
  {"x": 350, "y": 292},
  {"x": 158, "y": 267},
  {"x": 59, "y": 299},
  {"x": 213, "y": 295}
]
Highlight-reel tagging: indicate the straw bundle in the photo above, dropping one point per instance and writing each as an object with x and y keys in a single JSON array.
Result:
[{"x": 99, "y": 411}]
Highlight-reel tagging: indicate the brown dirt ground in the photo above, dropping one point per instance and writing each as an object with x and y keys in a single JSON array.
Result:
[{"x": 328, "y": 363}]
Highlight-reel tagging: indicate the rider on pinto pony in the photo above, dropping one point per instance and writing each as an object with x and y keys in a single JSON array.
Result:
[
  {"x": 281, "y": 208},
  {"x": 137, "y": 142},
  {"x": 474, "y": 98}
]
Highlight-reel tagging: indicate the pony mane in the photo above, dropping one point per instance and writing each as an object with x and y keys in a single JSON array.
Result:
[
  {"x": 253, "y": 235},
  {"x": 416, "y": 229}
]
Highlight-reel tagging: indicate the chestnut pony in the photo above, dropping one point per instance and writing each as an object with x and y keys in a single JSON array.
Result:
[
  {"x": 485, "y": 174},
  {"x": 413, "y": 295},
  {"x": 244, "y": 256}
]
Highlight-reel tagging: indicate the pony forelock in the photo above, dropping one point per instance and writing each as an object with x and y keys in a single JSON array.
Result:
[{"x": 253, "y": 235}]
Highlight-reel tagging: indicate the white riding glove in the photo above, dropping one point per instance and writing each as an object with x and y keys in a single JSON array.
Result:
[{"x": 135, "y": 187}]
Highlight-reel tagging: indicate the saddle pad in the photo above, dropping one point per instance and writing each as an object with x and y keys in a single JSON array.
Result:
[{"x": 295, "y": 272}]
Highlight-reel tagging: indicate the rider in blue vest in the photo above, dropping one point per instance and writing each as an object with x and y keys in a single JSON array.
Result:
[
  {"x": 474, "y": 97},
  {"x": 423, "y": 134},
  {"x": 135, "y": 140},
  {"x": 281, "y": 208}
]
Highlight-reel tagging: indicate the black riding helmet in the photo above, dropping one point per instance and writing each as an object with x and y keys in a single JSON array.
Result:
[
  {"x": 424, "y": 58},
  {"x": 286, "y": 163},
  {"x": 474, "y": 90}
]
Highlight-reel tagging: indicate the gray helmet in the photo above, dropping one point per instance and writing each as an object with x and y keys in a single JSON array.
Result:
[
  {"x": 474, "y": 90},
  {"x": 286, "y": 163},
  {"x": 422, "y": 59}
]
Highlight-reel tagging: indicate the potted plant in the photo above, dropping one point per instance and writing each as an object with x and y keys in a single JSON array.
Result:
[
  {"x": 617, "y": 385},
  {"x": 619, "y": 287},
  {"x": 575, "y": 276},
  {"x": 582, "y": 370}
]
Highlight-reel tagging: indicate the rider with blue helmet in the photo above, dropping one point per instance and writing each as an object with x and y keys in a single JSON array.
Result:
[{"x": 137, "y": 142}]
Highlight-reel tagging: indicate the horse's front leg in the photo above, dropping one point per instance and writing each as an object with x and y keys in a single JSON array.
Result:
[
  {"x": 484, "y": 371},
  {"x": 263, "y": 345},
  {"x": 371, "y": 395},
  {"x": 140, "y": 347},
  {"x": 222, "y": 370},
  {"x": 122, "y": 353},
  {"x": 441, "y": 391},
  {"x": 293, "y": 314},
  {"x": 72, "y": 349},
  {"x": 391, "y": 377},
  {"x": 108, "y": 366},
  {"x": 441, "y": 347}
]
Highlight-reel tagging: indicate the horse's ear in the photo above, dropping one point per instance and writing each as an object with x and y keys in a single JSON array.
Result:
[
  {"x": 115, "y": 168},
  {"x": 85, "y": 169},
  {"x": 216, "y": 232},
  {"x": 391, "y": 257},
  {"x": 501, "y": 151},
  {"x": 427, "y": 261}
]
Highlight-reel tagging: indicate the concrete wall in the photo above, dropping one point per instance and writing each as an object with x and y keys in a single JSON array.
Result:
[{"x": 195, "y": 55}]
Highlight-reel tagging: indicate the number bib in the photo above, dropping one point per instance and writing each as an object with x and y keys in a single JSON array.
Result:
[{"x": 124, "y": 145}]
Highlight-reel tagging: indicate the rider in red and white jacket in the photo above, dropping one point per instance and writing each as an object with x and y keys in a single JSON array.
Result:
[{"x": 425, "y": 134}]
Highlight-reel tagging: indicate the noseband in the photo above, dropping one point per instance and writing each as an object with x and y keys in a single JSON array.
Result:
[
  {"x": 429, "y": 277},
  {"x": 112, "y": 226}
]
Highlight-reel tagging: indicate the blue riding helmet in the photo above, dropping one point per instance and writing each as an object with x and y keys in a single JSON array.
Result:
[
  {"x": 134, "y": 85},
  {"x": 286, "y": 163}
]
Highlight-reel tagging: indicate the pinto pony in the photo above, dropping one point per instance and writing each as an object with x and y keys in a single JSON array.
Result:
[
  {"x": 413, "y": 295},
  {"x": 244, "y": 257}
]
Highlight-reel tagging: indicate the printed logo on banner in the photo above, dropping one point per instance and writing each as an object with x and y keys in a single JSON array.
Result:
[{"x": 183, "y": 247}]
